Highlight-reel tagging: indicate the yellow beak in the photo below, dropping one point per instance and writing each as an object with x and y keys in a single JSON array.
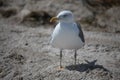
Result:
[{"x": 53, "y": 19}]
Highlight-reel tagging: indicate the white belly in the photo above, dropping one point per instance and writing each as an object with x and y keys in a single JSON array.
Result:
[{"x": 66, "y": 38}]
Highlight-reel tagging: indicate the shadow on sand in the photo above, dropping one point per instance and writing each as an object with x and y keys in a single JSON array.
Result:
[{"x": 86, "y": 66}]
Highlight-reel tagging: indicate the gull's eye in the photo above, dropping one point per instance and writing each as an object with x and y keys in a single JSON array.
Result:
[{"x": 65, "y": 15}]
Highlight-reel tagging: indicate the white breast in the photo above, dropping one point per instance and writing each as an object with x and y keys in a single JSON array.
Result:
[{"x": 66, "y": 36}]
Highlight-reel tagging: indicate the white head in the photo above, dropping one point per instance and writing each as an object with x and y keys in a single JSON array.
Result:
[{"x": 64, "y": 16}]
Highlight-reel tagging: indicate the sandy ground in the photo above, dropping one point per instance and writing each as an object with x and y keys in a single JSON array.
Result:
[{"x": 25, "y": 54}]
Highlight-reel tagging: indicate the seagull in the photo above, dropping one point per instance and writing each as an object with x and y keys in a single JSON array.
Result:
[{"x": 67, "y": 34}]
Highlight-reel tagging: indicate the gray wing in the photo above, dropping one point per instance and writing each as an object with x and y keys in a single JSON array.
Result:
[{"x": 81, "y": 35}]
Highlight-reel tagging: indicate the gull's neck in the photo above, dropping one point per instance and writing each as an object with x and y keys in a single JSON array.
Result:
[
  {"x": 63, "y": 22},
  {"x": 66, "y": 24}
]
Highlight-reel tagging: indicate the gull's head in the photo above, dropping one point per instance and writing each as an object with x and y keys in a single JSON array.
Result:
[{"x": 64, "y": 16}]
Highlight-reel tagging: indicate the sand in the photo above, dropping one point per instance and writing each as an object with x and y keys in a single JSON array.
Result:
[{"x": 25, "y": 52}]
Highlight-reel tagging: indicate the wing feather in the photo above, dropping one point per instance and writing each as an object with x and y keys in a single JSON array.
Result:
[{"x": 81, "y": 35}]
